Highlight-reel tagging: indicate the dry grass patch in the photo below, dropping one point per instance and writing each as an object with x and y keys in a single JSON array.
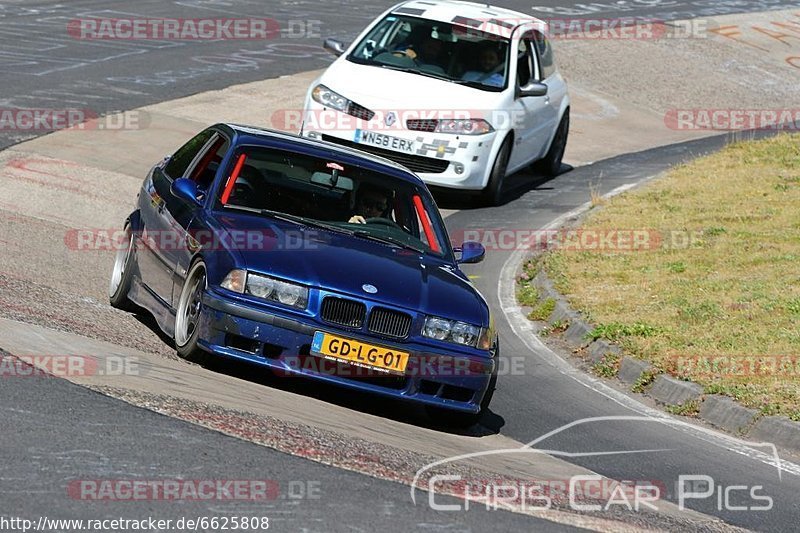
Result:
[{"x": 721, "y": 278}]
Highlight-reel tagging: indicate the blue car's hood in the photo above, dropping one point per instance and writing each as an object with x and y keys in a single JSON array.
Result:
[{"x": 343, "y": 263}]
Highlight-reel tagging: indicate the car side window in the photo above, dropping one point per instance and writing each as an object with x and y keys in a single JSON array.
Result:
[
  {"x": 525, "y": 64},
  {"x": 545, "y": 53},
  {"x": 180, "y": 160},
  {"x": 208, "y": 161}
]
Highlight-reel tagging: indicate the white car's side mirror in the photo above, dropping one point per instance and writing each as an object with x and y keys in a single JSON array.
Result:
[
  {"x": 533, "y": 88},
  {"x": 333, "y": 46}
]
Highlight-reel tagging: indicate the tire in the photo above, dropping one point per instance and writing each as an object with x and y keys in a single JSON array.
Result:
[
  {"x": 493, "y": 192},
  {"x": 122, "y": 275},
  {"x": 458, "y": 419},
  {"x": 550, "y": 164},
  {"x": 188, "y": 312}
]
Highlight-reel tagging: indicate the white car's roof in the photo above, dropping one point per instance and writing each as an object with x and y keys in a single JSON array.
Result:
[{"x": 490, "y": 19}]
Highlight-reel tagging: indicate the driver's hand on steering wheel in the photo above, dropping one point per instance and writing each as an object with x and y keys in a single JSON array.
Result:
[
  {"x": 357, "y": 219},
  {"x": 408, "y": 52}
]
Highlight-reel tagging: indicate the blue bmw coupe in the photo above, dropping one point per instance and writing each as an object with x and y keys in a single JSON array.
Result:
[{"x": 311, "y": 259}]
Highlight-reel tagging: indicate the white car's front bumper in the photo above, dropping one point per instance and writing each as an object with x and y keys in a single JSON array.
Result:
[{"x": 440, "y": 159}]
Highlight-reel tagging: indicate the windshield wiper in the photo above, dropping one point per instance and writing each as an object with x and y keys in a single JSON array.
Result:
[
  {"x": 471, "y": 83},
  {"x": 268, "y": 212},
  {"x": 406, "y": 69},
  {"x": 478, "y": 85},
  {"x": 286, "y": 217},
  {"x": 386, "y": 240},
  {"x": 427, "y": 74}
]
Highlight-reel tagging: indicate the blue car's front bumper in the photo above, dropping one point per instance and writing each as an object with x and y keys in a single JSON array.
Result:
[{"x": 242, "y": 332}]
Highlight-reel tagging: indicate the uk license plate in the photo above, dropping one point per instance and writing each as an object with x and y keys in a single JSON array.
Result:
[{"x": 384, "y": 141}]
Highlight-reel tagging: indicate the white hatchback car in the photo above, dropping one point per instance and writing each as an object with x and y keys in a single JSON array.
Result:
[{"x": 460, "y": 93}]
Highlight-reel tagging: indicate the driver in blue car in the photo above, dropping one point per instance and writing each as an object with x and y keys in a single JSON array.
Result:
[{"x": 372, "y": 202}]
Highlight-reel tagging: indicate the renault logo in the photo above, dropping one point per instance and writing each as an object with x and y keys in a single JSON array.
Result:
[{"x": 390, "y": 118}]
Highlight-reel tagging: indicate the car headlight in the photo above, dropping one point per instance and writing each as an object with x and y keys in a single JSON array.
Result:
[
  {"x": 453, "y": 331},
  {"x": 235, "y": 281},
  {"x": 468, "y": 126},
  {"x": 326, "y": 97},
  {"x": 268, "y": 288}
]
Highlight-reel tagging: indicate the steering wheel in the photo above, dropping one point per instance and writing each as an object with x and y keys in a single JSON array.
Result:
[
  {"x": 408, "y": 53},
  {"x": 380, "y": 221}
]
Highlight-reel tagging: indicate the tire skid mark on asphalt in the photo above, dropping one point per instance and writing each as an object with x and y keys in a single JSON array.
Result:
[
  {"x": 84, "y": 188},
  {"x": 63, "y": 191},
  {"x": 58, "y": 309},
  {"x": 53, "y": 317},
  {"x": 13, "y": 214}
]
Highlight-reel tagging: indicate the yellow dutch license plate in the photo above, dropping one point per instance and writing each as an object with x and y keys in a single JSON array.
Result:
[{"x": 359, "y": 353}]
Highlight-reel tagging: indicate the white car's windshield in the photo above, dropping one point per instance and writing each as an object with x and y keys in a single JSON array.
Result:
[{"x": 452, "y": 52}]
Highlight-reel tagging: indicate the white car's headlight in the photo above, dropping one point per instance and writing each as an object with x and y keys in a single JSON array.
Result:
[
  {"x": 453, "y": 331},
  {"x": 468, "y": 126},
  {"x": 326, "y": 97}
]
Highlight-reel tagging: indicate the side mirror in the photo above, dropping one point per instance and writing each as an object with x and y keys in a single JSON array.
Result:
[
  {"x": 534, "y": 88},
  {"x": 333, "y": 46},
  {"x": 471, "y": 252},
  {"x": 186, "y": 190}
]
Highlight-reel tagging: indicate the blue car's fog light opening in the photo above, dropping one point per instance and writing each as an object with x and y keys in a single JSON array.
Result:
[{"x": 453, "y": 331}]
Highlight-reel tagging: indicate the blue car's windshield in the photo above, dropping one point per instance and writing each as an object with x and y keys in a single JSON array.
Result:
[
  {"x": 326, "y": 193},
  {"x": 453, "y": 52}
]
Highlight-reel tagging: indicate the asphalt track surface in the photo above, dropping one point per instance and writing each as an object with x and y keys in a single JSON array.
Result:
[
  {"x": 46, "y": 67},
  {"x": 99, "y": 438},
  {"x": 549, "y": 395},
  {"x": 45, "y": 452}
]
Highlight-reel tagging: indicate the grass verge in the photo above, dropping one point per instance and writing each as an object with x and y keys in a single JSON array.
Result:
[{"x": 712, "y": 294}]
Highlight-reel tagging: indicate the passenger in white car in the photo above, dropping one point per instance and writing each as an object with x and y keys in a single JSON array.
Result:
[{"x": 491, "y": 68}]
